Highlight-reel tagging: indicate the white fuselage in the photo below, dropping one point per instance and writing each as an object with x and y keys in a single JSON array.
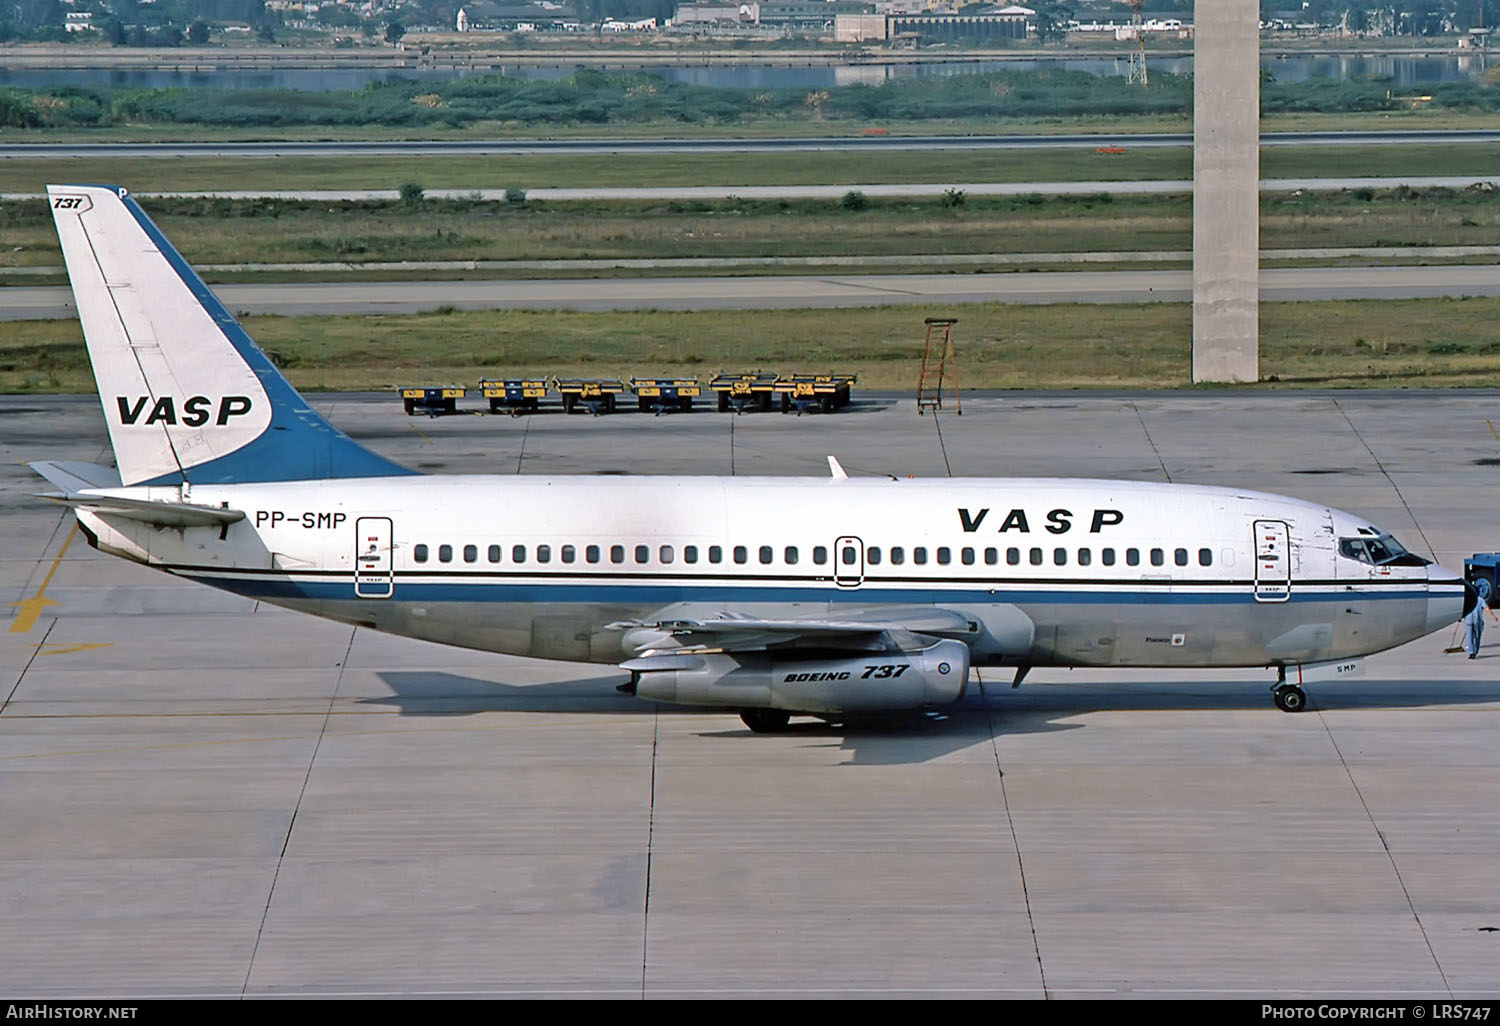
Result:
[{"x": 1047, "y": 571}]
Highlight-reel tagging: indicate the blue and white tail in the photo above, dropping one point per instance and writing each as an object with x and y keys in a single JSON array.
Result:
[{"x": 187, "y": 395}]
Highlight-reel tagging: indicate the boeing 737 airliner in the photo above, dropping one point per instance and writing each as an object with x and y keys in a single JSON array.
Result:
[{"x": 771, "y": 596}]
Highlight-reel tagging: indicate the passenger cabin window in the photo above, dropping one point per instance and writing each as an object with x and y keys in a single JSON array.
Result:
[
  {"x": 872, "y": 555},
  {"x": 741, "y": 554},
  {"x": 1060, "y": 557},
  {"x": 1132, "y": 557},
  {"x": 1013, "y": 556},
  {"x": 1036, "y": 557},
  {"x": 1085, "y": 557},
  {"x": 1158, "y": 557},
  {"x": 471, "y": 553},
  {"x": 664, "y": 553},
  {"x": 991, "y": 556},
  {"x": 617, "y": 553},
  {"x": 544, "y": 553},
  {"x": 1180, "y": 557},
  {"x": 790, "y": 555},
  {"x": 898, "y": 555},
  {"x": 1107, "y": 557},
  {"x": 568, "y": 553},
  {"x": 919, "y": 555},
  {"x": 820, "y": 554},
  {"x": 419, "y": 553},
  {"x": 445, "y": 553},
  {"x": 591, "y": 553},
  {"x": 494, "y": 553},
  {"x": 643, "y": 553},
  {"x": 766, "y": 555},
  {"x": 518, "y": 554},
  {"x": 944, "y": 555},
  {"x": 690, "y": 553},
  {"x": 715, "y": 554},
  {"x": 967, "y": 555},
  {"x": 1205, "y": 557}
]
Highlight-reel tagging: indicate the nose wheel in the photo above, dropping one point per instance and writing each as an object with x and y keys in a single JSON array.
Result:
[{"x": 1290, "y": 698}]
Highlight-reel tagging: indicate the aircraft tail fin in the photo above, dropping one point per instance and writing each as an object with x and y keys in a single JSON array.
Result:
[{"x": 187, "y": 395}]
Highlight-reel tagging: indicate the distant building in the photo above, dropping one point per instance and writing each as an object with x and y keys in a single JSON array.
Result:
[
  {"x": 481, "y": 15},
  {"x": 78, "y": 21},
  {"x": 710, "y": 15},
  {"x": 860, "y": 28},
  {"x": 928, "y": 26},
  {"x": 819, "y": 15},
  {"x": 640, "y": 25}
]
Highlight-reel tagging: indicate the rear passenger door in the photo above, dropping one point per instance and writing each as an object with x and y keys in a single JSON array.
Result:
[{"x": 374, "y": 576}]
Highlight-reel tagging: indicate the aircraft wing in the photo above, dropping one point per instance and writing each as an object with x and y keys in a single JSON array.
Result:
[{"x": 875, "y": 630}]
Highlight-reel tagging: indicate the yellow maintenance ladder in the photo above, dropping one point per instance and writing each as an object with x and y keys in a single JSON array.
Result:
[{"x": 939, "y": 366}]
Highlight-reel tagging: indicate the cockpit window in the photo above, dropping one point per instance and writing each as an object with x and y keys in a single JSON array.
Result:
[{"x": 1383, "y": 550}]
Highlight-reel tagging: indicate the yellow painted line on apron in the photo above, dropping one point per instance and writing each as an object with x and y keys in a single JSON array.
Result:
[
  {"x": 1492, "y": 429},
  {"x": 431, "y": 442},
  {"x": 83, "y": 646},
  {"x": 32, "y": 608}
]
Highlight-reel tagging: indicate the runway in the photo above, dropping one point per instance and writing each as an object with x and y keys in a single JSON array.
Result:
[
  {"x": 207, "y": 797},
  {"x": 854, "y": 143},
  {"x": 776, "y": 292}
]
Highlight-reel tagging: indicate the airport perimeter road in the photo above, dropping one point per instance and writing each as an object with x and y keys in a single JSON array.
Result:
[
  {"x": 482, "y": 147},
  {"x": 209, "y": 796},
  {"x": 797, "y": 291}
]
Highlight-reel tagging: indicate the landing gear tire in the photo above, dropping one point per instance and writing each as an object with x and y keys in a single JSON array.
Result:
[
  {"x": 765, "y": 721},
  {"x": 1290, "y": 698}
]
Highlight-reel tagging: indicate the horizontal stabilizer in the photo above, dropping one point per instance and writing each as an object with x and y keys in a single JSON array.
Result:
[
  {"x": 72, "y": 476},
  {"x": 161, "y": 514}
]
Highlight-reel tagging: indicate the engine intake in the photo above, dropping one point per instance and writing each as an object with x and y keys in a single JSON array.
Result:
[{"x": 871, "y": 682}]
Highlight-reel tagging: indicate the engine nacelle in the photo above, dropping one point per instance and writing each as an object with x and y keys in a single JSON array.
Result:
[{"x": 935, "y": 675}]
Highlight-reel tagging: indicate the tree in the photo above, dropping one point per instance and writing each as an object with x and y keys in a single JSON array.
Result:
[
  {"x": 1052, "y": 22},
  {"x": 394, "y": 30},
  {"x": 197, "y": 33}
]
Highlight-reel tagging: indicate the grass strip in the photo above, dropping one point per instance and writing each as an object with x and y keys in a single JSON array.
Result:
[
  {"x": 1419, "y": 343},
  {"x": 1073, "y": 163},
  {"x": 286, "y": 232}
]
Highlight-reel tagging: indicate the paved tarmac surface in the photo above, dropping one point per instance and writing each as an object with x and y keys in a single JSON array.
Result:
[
  {"x": 769, "y": 292},
  {"x": 205, "y": 796}
]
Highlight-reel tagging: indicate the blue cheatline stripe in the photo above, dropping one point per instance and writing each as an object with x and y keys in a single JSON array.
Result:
[
  {"x": 261, "y": 586},
  {"x": 298, "y": 445}
]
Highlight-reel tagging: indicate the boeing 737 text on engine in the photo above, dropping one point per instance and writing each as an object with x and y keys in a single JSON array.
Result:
[{"x": 771, "y": 596}]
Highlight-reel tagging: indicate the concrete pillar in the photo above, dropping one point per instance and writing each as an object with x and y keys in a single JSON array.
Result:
[{"x": 1226, "y": 209}]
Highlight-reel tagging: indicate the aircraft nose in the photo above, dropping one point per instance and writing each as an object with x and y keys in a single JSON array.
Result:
[{"x": 1449, "y": 598}]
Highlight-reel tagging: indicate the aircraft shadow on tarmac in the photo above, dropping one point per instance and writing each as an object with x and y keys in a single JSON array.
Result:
[{"x": 990, "y": 710}]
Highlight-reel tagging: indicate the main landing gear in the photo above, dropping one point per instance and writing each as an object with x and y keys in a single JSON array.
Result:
[
  {"x": 1289, "y": 697},
  {"x": 765, "y": 721}
]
